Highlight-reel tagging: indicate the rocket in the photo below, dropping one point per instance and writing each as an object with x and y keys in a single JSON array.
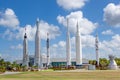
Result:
[
  {"x": 97, "y": 48},
  {"x": 48, "y": 50},
  {"x": 25, "y": 51},
  {"x": 37, "y": 45},
  {"x": 68, "y": 46},
  {"x": 78, "y": 46}
]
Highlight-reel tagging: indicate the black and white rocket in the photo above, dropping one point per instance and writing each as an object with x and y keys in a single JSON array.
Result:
[
  {"x": 48, "y": 50},
  {"x": 78, "y": 46},
  {"x": 25, "y": 51},
  {"x": 97, "y": 48},
  {"x": 68, "y": 46},
  {"x": 37, "y": 45}
]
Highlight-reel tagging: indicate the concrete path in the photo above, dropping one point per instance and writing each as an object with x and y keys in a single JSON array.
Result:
[{"x": 10, "y": 73}]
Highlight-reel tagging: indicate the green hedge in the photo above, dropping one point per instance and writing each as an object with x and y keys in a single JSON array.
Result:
[{"x": 2, "y": 69}]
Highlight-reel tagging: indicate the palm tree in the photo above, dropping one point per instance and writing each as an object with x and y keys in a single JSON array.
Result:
[
  {"x": 2, "y": 62},
  {"x": 24, "y": 68},
  {"x": 2, "y": 65}
]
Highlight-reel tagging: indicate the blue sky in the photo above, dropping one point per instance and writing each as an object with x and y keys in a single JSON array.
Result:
[{"x": 94, "y": 16}]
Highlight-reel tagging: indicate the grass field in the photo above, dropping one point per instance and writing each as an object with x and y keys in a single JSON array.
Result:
[{"x": 58, "y": 75}]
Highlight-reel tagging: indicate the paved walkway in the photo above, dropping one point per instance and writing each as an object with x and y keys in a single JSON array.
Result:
[
  {"x": 10, "y": 73},
  {"x": 83, "y": 70}
]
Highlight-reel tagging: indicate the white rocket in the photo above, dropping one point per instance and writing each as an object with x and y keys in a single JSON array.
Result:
[
  {"x": 25, "y": 52},
  {"x": 48, "y": 51},
  {"x": 37, "y": 45},
  {"x": 68, "y": 46},
  {"x": 97, "y": 48},
  {"x": 78, "y": 46}
]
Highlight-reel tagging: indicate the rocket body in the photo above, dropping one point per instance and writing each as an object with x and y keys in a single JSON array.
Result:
[
  {"x": 25, "y": 52},
  {"x": 48, "y": 51},
  {"x": 68, "y": 47},
  {"x": 97, "y": 48},
  {"x": 78, "y": 47},
  {"x": 37, "y": 46}
]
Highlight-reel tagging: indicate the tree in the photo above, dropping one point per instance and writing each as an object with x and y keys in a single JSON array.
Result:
[
  {"x": 2, "y": 62},
  {"x": 104, "y": 63},
  {"x": 117, "y": 61},
  {"x": 2, "y": 65}
]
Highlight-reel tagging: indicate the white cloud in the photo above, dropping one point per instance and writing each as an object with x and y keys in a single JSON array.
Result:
[
  {"x": 74, "y": 4},
  {"x": 88, "y": 46},
  {"x": 108, "y": 32},
  {"x": 8, "y": 34},
  {"x": 54, "y": 45},
  {"x": 59, "y": 49},
  {"x": 62, "y": 43},
  {"x": 112, "y": 14},
  {"x": 111, "y": 47},
  {"x": 9, "y": 19},
  {"x": 86, "y": 26},
  {"x": 88, "y": 41},
  {"x": 52, "y": 29},
  {"x": 31, "y": 30},
  {"x": 19, "y": 46},
  {"x": 115, "y": 42}
]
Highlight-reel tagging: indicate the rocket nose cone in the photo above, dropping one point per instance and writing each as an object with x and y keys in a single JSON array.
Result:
[{"x": 25, "y": 36}]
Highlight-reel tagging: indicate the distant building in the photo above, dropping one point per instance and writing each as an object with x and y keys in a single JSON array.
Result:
[
  {"x": 31, "y": 60},
  {"x": 55, "y": 62}
]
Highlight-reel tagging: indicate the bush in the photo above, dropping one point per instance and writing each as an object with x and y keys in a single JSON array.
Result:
[
  {"x": 2, "y": 69},
  {"x": 64, "y": 68}
]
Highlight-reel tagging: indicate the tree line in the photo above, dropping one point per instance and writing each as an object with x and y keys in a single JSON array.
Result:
[
  {"x": 8, "y": 66},
  {"x": 103, "y": 63}
]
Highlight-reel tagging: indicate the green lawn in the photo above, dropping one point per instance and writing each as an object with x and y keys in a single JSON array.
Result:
[{"x": 54, "y": 75}]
